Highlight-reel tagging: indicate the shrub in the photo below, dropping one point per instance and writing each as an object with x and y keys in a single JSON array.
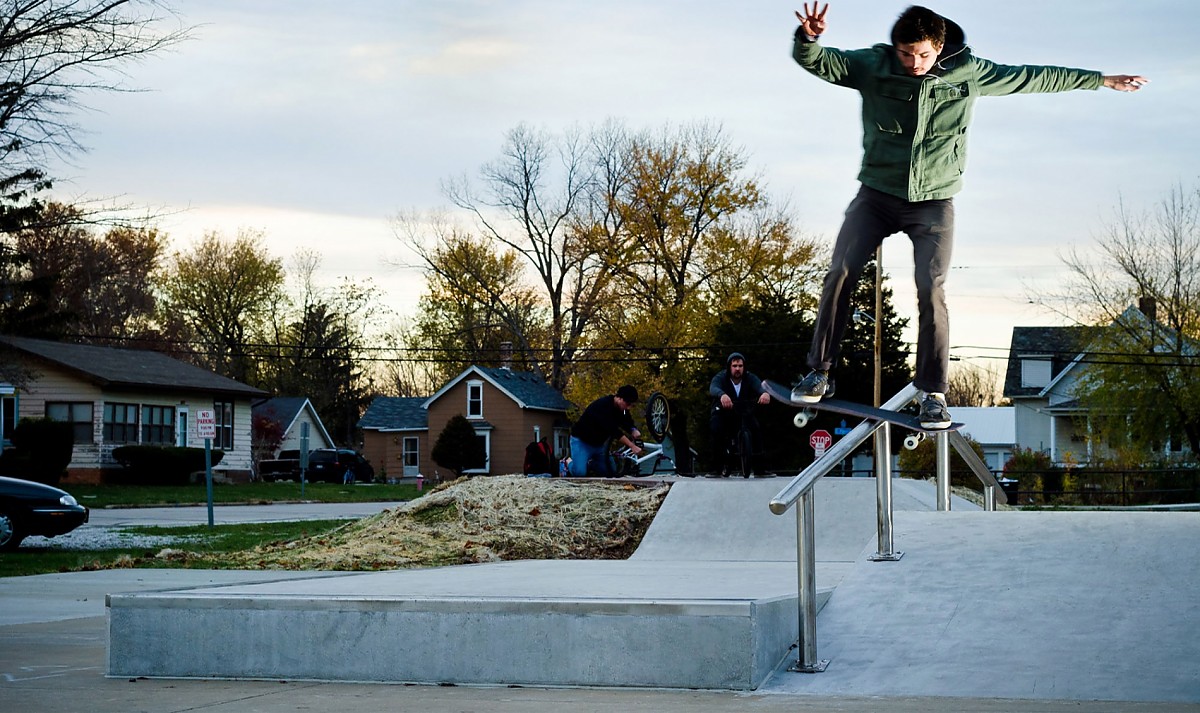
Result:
[
  {"x": 458, "y": 447},
  {"x": 160, "y": 465},
  {"x": 1027, "y": 460},
  {"x": 41, "y": 450},
  {"x": 921, "y": 462}
]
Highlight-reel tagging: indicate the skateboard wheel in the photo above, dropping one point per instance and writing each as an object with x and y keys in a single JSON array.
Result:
[
  {"x": 800, "y": 419},
  {"x": 914, "y": 440}
]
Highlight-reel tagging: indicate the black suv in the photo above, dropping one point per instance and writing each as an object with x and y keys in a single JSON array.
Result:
[{"x": 329, "y": 465}]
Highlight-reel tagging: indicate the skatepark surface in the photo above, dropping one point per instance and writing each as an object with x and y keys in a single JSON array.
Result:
[{"x": 1009, "y": 610}]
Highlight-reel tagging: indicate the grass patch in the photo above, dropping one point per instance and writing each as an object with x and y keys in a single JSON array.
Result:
[
  {"x": 207, "y": 548},
  {"x": 102, "y": 496}
]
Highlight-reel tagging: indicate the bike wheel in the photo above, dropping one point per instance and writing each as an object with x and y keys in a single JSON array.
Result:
[
  {"x": 658, "y": 415},
  {"x": 745, "y": 451}
]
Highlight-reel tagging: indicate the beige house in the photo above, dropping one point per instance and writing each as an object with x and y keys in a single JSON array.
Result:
[
  {"x": 115, "y": 397},
  {"x": 294, "y": 414},
  {"x": 1046, "y": 364},
  {"x": 507, "y": 408}
]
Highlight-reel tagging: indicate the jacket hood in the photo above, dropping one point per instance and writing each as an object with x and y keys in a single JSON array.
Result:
[{"x": 955, "y": 49}]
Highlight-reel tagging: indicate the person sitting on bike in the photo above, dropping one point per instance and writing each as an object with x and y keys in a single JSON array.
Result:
[
  {"x": 735, "y": 392},
  {"x": 604, "y": 419}
]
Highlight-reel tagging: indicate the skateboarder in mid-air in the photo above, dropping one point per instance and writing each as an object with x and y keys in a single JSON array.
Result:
[{"x": 917, "y": 97}]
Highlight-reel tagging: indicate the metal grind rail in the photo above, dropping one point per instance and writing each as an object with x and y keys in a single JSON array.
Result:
[{"x": 799, "y": 492}]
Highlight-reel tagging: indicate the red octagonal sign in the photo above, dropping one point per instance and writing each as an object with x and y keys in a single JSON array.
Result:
[{"x": 820, "y": 441}]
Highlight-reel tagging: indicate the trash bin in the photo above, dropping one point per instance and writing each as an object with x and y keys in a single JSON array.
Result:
[{"x": 1009, "y": 486}]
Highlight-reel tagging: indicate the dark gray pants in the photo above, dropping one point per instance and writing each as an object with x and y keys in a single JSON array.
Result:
[{"x": 871, "y": 217}]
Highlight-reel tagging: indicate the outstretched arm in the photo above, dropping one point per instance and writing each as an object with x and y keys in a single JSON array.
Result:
[
  {"x": 1124, "y": 82},
  {"x": 812, "y": 21}
]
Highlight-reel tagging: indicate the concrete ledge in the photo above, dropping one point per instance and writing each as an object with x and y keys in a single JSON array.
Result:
[{"x": 729, "y": 634}]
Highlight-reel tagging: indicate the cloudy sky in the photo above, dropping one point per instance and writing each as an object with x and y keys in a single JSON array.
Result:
[{"x": 316, "y": 121}]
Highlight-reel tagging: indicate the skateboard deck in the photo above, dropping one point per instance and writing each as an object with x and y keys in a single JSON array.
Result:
[{"x": 849, "y": 408}]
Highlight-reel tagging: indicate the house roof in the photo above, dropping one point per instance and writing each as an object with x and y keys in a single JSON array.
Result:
[
  {"x": 286, "y": 409},
  {"x": 1058, "y": 344},
  {"x": 115, "y": 368},
  {"x": 1066, "y": 347},
  {"x": 526, "y": 388},
  {"x": 392, "y": 413}
]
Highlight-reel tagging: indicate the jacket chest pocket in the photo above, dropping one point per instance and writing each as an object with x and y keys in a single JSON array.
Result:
[
  {"x": 895, "y": 111},
  {"x": 948, "y": 107}
]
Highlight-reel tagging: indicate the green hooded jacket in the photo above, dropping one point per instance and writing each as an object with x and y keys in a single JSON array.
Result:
[{"x": 915, "y": 128}]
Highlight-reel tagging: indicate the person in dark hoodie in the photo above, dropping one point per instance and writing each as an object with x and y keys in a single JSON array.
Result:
[
  {"x": 735, "y": 391},
  {"x": 917, "y": 97},
  {"x": 605, "y": 420}
]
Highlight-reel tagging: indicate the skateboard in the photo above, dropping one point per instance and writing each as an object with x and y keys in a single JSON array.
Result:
[{"x": 849, "y": 408}]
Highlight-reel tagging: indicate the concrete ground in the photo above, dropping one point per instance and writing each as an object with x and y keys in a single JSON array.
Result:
[{"x": 986, "y": 612}]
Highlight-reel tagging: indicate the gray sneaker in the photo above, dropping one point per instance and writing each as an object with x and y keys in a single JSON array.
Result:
[
  {"x": 934, "y": 413},
  {"x": 812, "y": 388}
]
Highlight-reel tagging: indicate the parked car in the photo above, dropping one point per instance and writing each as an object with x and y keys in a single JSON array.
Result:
[
  {"x": 29, "y": 508},
  {"x": 285, "y": 467},
  {"x": 329, "y": 465}
]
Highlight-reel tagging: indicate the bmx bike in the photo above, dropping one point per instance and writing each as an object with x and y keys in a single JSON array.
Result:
[{"x": 740, "y": 448}]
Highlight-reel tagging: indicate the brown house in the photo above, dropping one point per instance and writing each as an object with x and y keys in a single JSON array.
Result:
[{"x": 507, "y": 408}]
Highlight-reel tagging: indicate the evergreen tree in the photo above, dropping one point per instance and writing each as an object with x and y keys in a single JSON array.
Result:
[{"x": 458, "y": 447}]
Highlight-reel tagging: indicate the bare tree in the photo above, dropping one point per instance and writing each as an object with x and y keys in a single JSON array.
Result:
[
  {"x": 974, "y": 385},
  {"x": 51, "y": 51},
  {"x": 530, "y": 202},
  {"x": 1144, "y": 363}
]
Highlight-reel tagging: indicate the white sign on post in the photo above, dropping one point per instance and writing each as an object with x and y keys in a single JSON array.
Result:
[{"x": 206, "y": 424}]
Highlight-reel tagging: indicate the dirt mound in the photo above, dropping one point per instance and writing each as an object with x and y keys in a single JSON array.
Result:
[{"x": 480, "y": 520}]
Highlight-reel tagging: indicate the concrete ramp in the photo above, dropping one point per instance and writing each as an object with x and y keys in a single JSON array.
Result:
[
  {"x": 1022, "y": 605},
  {"x": 708, "y": 601},
  {"x": 728, "y": 520}
]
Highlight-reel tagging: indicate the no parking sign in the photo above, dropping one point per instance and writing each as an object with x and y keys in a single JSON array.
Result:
[{"x": 820, "y": 441}]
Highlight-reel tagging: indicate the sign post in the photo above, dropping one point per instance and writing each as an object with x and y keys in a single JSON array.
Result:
[
  {"x": 820, "y": 442},
  {"x": 206, "y": 428},
  {"x": 303, "y": 456}
]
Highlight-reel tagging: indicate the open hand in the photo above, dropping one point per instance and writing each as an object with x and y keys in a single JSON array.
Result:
[
  {"x": 813, "y": 21},
  {"x": 1124, "y": 82}
]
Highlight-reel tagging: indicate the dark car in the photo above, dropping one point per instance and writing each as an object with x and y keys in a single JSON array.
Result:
[
  {"x": 29, "y": 508},
  {"x": 330, "y": 464}
]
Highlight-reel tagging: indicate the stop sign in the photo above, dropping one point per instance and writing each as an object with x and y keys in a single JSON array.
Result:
[{"x": 820, "y": 441}]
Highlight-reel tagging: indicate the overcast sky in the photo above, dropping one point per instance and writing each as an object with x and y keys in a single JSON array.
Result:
[{"x": 316, "y": 121}]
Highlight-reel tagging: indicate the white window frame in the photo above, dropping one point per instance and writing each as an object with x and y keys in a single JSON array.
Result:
[{"x": 475, "y": 399}]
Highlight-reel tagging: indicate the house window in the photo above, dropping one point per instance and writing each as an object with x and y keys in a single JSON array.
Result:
[
  {"x": 158, "y": 425},
  {"x": 223, "y": 411},
  {"x": 120, "y": 423},
  {"x": 1035, "y": 372},
  {"x": 474, "y": 399},
  {"x": 78, "y": 414}
]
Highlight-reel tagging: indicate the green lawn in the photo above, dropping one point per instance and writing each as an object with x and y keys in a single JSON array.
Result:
[
  {"x": 210, "y": 544},
  {"x": 102, "y": 496}
]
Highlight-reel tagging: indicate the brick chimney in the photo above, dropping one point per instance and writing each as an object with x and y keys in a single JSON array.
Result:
[
  {"x": 1149, "y": 307},
  {"x": 506, "y": 355}
]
